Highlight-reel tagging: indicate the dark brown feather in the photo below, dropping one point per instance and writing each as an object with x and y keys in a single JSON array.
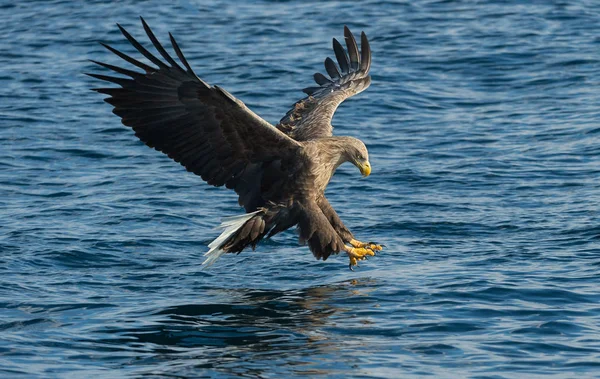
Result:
[
  {"x": 341, "y": 56},
  {"x": 158, "y": 46},
  {"x": 352, "y": 49},
  {"x": 332, "y": 69},
  {"x": 315, "y": 230},
  {"x": 365, "y": 53}
]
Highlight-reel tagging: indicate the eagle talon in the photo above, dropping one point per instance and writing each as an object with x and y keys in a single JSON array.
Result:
[
  {"x": 373, "y": 246},
  {"x": 356, "y": 254}
]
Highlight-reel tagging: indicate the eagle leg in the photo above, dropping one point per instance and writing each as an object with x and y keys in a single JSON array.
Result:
[
  {"x": 373, "y": 246},
  {"x": 356, "y": 254}
]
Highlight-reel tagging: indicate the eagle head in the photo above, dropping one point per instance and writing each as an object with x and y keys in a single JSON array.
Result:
[{"x": 357, "y": 153}]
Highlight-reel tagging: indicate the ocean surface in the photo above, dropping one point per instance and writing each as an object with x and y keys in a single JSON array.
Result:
[{"x": 483, "y": 125}]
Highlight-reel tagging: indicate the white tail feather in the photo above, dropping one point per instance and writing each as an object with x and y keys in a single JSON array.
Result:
[{"x": 230, "y": 226}]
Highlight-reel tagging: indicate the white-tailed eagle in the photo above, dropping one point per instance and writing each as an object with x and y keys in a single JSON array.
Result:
[{"x": 279, "y": 172}]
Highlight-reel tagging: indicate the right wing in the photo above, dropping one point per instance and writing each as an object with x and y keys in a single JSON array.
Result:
[
  {"x": 310, "y": 117},
  {"x": 204, "y": 128}
]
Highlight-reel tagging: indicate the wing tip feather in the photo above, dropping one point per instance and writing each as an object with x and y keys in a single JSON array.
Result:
[
  {"x": 353, "y": 64},
  {"x": 341, "y": 56},
  {"x": 365, "y": 52}
]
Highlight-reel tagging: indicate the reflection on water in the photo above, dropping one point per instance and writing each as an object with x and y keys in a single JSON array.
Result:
[{"x": 256, "y": 326}]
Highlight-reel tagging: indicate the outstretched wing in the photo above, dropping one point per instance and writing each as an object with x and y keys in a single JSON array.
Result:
[
  {"x": 310, "y": 117},
  {"x": 203, "y": 127}
]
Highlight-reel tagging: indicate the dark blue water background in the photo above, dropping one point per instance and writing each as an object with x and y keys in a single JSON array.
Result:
[{"x": 483, "y": 126}]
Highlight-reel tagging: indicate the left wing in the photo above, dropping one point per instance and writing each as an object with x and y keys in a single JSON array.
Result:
[
  {"x": 310, "y": 117},
  {"x": 204, "y": 128}
]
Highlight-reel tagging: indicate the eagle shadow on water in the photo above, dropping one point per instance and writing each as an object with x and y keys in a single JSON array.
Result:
[{"x": 279, "y": 172}]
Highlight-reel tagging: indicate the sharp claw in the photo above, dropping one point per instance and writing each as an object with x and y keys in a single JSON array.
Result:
[{"x": 357, "y": 254}]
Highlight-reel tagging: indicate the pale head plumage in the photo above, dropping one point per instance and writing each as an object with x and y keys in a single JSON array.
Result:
[{"x": 355, "y": 150}]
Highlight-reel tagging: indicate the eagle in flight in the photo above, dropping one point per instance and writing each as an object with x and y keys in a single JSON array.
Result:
[{"x": 279, "y": 172}]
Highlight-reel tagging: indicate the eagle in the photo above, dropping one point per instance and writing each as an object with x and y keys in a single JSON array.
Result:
[{"x": 280, "y": 172}]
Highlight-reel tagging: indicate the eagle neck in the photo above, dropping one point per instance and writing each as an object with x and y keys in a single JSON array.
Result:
[
  {"x": 334, "y": 152},
  {"x": 327, "y": 155}
]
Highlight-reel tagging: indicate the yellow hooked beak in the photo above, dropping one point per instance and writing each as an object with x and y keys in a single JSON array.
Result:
[{"x": 364, "y": 167}]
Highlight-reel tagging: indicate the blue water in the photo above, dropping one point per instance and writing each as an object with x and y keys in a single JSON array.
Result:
[{"x": 483, "y": 125}]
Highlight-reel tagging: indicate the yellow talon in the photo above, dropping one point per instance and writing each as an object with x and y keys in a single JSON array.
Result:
[
  {"x": 353, "y": 262},
  {"x": 368, "y": 245},
  {"x": 374, "y": 247},
  {"x": 356, "y": 254}
]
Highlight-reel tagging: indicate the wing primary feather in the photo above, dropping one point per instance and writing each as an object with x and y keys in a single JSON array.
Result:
[
  {"x": 365, "y": 53},
  {"x": 352, "y": 49},
  {"x": 321, "y": 79},
  {"x": 120, "y": 81},
  {"x": 341, "y": 56},
  {"x": 120, "y": 70},
  {"x": 180, "y": 55},
  {"x": 141, "y": 48},
  {"x": 310, "y": 90},
  {"x": 158, "y": 46},
  {"x": 127, "y": 58},
  {"x": 107, "y": 91},
  {"x": 332, "y": 69}
]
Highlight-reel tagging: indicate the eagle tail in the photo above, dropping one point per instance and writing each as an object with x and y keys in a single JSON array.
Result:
[{"x": 238, "y": 232}]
